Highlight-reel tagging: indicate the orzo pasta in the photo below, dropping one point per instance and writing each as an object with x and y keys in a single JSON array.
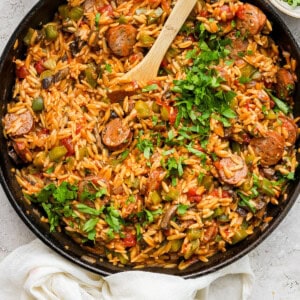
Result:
[{"x": 162, "y": 173}]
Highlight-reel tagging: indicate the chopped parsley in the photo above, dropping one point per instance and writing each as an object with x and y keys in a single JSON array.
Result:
[
  {"x": 182, "y": 208},
  {"x": 279, "y": 103},
  {"x": 145, "y": 146},
  {"x": 97, "y": 19},
  {"x": 199, "y": 94},
  {"x": 56, "y": 202}
]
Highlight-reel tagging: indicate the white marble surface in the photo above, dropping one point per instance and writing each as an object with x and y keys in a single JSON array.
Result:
[{"x": 275, "y": 262}]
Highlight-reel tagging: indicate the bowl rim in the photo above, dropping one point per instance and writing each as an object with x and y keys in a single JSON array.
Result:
[{"x": 286, "y": 8}]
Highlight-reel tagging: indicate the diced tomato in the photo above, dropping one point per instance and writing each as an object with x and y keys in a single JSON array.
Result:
[
  {"x": 240, "y": 13},
  {"x": 39, "y": 67},
  {"x": 217, "y": 165},
  {"x": 44, "y": 131},
  {"x": 67, "y": 142},
  {"x": 272, "y": 104},
  {"x": 193, "y": 196},
  {"x": 165, "y": 5},
  {"x": 192, "y": 191},
  {"x": 229, "y": 14},
  {"x": 108, "y": 9},
  {"x": 22, "y": 72},
  {"x": 224, "y": 194},
  {"x": 246, "y": 138},
  {"x": 173, "y": 112},
  {"x": 129, "y": 240},
  {"x": 196, "y": 198},
  {"x": 164, "y": 63},
  {"x": 159, "y": 101},
  {"x": 135, "y": 57},
  {"x": 247, "y": 106},
  {"x": 203, "y": 13}
]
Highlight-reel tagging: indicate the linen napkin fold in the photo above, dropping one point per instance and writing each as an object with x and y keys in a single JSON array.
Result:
[{"x": 34, "y": 271}]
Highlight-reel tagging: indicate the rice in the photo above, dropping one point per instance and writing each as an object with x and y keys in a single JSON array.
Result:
[{"x": 170, "y": 186}]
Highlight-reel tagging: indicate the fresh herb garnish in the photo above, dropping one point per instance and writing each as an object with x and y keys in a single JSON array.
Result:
[
  {"x": 145, "y": 146},
  {"x": 182, "y": 208},
  {"x": 199, "y": 94},
  {"x": 56, "y": 201},
  {"x": 279, "y": 103},
  {"x": 89, "y": 210},
  {"x": 97, "y": 19},
  {"x": 113, "y": 219},
  {"x": 108, "y": 68}
]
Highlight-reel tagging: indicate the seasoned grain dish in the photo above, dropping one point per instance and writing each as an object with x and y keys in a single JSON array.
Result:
[{"x": 163, "y": 173}]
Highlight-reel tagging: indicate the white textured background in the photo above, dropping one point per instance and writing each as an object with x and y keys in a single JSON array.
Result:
[{"x": 276, "y": 262}]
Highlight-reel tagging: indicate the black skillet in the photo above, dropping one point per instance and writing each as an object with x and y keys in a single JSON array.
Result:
[{"x": 42, "y": 13}]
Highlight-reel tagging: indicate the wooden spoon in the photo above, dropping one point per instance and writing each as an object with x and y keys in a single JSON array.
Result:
[{"x": 147, "y": 69}]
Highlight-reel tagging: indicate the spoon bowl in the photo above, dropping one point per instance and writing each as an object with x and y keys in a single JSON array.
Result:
[{"x": 147, "y": 69}]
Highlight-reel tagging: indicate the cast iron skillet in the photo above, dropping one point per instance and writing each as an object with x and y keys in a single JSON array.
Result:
[{"x": 42, "y": 13}]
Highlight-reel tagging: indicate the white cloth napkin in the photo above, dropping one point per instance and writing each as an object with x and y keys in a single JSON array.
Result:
[{"x": 34, "y": 271}]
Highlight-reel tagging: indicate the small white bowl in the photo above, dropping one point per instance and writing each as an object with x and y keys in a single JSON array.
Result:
[{"x": 286, "y": 8}]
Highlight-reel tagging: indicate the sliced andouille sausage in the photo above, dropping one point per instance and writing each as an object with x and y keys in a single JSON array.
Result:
[
  {"x": 238, "y": 45},
  {"x": 291, "y": 129},
  {"x": 210, "y": 233},
  {"x": 121, "y": 39},
  {"x": 119, "y": 95},
  {"x": 13, "y": 154},
  {"x": 269, "y": 148},
  {"x": 168, "y": 215},
  {"x": 92, "y": 184},
  {"x": 285, "y": 85},
  {"x": 22, "y": 151},
  {"x": 155, "y": 178},
  {"x": 232, "y": 169},
  {"x": 18, "y": 124},
  {"x": 89, "y": 5},
  {"x": 250, "y": 19},
  {"x": 116, "y": 135}
]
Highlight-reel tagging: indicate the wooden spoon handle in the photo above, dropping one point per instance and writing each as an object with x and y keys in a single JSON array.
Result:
[{"x": 147, "y": 69}]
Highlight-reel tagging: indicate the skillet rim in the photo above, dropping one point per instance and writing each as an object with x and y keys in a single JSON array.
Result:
[{"x": 108, "y": 269}]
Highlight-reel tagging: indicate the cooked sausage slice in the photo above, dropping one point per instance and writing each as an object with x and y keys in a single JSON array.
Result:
[
  {"x": 169, "y": 214},
  {"x": 155, "y": 178},
  {"x": 285, "y": 85},
  {"x": 238, "y": 45},
  {"x": 23, "y": 151},
  {"x": 92, "y": 184},
  {"x": 250, "y": 19},
  {"x": 119, "y": 95},
  {"x": 210, "y": 233},
  {"x": 232, "y": 169},
  {"x": 89, "y": 5},
  {"x": 121, "y": 39},
  {"x": 18, "y": 124},
  {"x": 269, "y": 148},
  {"x": 116, "y": 135},
  {"x": 291, "y": 128}
]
